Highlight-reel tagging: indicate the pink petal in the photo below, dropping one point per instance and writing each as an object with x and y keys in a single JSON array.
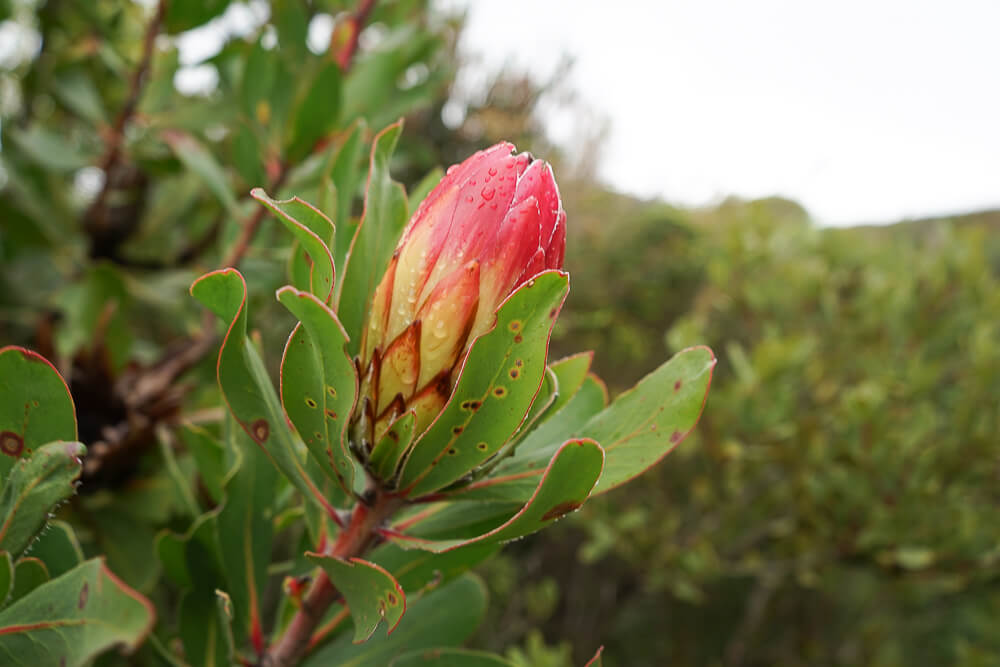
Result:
[
  {"x": 556, "y": 251},
  {"x": 516, "y": 244},
  {"x": 446, "y": 318},
  {"x": 400, "y": 367}
]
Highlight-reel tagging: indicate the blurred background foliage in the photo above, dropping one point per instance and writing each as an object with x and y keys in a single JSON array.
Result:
[{"x": 838, "y": 504}]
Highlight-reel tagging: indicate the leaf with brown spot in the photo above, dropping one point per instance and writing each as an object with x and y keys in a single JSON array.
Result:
[
  {"x": 371, "y": 593},
  {"x": 484, "y": 379},
  {"x": 35, "y": 405},
  {"x": 314, "y": 363},
  {"x": 246, "y": 386},
  {"x": 562, "y": 487},
  {"x": 73, "y": 618}
]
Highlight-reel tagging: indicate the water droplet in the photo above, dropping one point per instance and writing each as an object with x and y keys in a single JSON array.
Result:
[
  {"x": 470, "y": 199},
  {"x": 493, "y": 171},
  {"x": 488, "y": 193}
]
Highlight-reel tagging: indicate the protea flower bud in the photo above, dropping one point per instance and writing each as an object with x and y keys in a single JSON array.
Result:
[{"x": 493, "y": 222}]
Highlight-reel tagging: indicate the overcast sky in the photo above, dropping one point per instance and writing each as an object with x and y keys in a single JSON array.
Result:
[{"x": 863, "y": 110}]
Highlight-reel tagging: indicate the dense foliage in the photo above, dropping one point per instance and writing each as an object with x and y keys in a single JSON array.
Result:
[
  {"x": 838, "y": 503},
  {"x": 837, "y": 507}
]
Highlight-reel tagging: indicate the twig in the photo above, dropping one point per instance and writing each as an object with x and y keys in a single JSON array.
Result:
[
  {"x": 96, "y": 215},
  {"x": 250, "y": 227},
  {"x": 354, "y": 23},
  {"x": 358, "y": 537}
]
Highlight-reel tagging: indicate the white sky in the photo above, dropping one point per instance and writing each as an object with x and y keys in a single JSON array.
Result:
[{"x": 864, "y": 111}]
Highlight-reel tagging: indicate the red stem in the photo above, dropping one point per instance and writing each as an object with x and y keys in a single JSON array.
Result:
[
  {"x": 353, "y": 25},
  {"x": 360, "y": 535}
]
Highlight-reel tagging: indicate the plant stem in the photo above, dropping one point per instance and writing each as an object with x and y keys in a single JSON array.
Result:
[
  {"x": 96, "y": 217},
  {"x": 359, "y": 535}
]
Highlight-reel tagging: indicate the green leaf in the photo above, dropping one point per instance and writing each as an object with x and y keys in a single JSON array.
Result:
[
  {"x": 371, "y": 593},
  {"x": 344, "y": 177},
  {"x": 563, "y": 488},
  {"x": 508, "y": 481},
  {"x": 70, "y": 619},
  {"x": 446, "y": 616},
  {"x": 85, "y": 308},
  {"x": 193, "y": 559},
  {"x": 448, "y": 521},
  {"x": 246, "y": 386},
  {"x": 49, "y": 150},
  {"x": 33, "y": 489},
  {"x": 6, "y": 577},
  {"x": 186, "y": 14},
  {"x": 77, "y": 91},
  {"x": 645, "y": 423},
  {"x": 248, "y": 154},
  {"x": 641, "y": 427},
  {"x": 313, "y": 231},
  {"x": 29, "y": 574},
  {"x": 35, "y": 405},
  {"x": 259, "y": 74},
  {"x": 200, "y": 161},
  {"x": 200, "y": 629},
  {"x": 224, "y": 614},
  {"x": 388, "y": 451},
  {"x": 450, "y": 657},
  {"x": 58, "y": 548},
  {"x": 563, "y": 379},
  {"x": 571, "y": 372},
  {"x": 497, "y": 384},
  {"x": 209, "y": 457},
  {"x": 318, "y": 112},
  {"x": 246, "y": 532},
  {"x": 375, "y": 238},
  {"x": 415, "y": 569},
  {"x": 319, "y": 384}
]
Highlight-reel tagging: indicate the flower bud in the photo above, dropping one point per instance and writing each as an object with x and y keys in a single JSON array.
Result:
[{"x": 493, "y": 222}]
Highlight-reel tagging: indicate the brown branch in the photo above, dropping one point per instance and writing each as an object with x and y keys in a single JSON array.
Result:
[
  {"x": 358, "y": 537},
  {"x": 345, "y": 54},
  {"x": 96, "y": 216},
  {"x": 250, "y": 227}
]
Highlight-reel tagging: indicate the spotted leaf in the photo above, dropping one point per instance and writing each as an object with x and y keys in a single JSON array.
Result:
[
  {"x": 319, "y": 385},
  {"x": 246, "y": 386},
  {"x": 35, "y": 405},
  {"x": 371, "y": 593},
  {"x": 563, "y": 487}
]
